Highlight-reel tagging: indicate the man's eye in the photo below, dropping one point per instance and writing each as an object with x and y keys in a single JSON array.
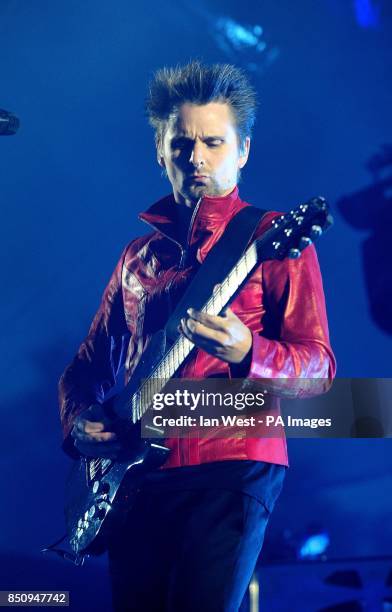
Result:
[
  {"x": 214, "y": 143},
  {"x": 179, "y": 144}
]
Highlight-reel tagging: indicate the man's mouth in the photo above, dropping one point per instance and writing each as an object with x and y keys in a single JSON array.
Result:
[{"x": 198, "y": 177}]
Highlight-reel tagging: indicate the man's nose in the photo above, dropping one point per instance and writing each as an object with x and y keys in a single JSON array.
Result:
[{"x": 197, "y": 157}]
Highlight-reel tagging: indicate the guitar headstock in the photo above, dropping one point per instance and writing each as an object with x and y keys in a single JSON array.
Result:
[{"x": 292, "y": 232}]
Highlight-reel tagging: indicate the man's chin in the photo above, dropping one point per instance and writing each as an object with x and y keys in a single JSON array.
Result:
[
  {"x": 195, "y": 192},
  {"x": 200, "y": 189}
]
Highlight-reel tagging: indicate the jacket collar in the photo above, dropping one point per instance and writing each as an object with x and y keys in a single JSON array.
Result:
[{"x": 212, "y": 212}]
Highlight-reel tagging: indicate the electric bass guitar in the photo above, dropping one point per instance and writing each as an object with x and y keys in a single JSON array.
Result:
[{"x": 99, "y": 491}]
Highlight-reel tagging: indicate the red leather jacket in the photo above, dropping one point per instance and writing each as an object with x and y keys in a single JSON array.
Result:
[{"x": 282, "y": 304}]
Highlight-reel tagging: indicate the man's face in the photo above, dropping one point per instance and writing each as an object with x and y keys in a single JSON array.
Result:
[{"x": 200, "y": 151}]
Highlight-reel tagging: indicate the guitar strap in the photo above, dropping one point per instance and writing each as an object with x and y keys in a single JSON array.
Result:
[{"x": 218, "y": 263}]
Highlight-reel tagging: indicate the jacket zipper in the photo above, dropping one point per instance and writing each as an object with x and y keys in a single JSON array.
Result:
[
  {"x": 184, "y": 252},
  {"x": 188, "y": 236}
]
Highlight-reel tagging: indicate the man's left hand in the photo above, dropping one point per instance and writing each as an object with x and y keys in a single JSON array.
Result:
[{"x": 224, "y": 336}]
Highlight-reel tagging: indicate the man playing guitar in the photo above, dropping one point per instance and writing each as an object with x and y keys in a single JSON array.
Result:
[{"x": 195, "y": 528}]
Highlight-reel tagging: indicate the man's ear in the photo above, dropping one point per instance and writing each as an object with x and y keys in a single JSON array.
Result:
[
  {"x": 160, "y": 158},
  {"x": 244, "y": 153},
  {"x": 161, "y": 161}
]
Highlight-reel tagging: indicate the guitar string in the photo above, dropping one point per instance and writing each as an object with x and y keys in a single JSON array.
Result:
[{"x": 243, "y": 262}]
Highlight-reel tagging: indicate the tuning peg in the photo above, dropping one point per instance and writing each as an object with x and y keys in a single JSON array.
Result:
[
  {"x": 315, "y": 231},
  {"x": 319, "y": 200},
  {"x": 294, "y": 253},
  {"x": 304, "y": 242},
  {"x": 277, "y": 221}
]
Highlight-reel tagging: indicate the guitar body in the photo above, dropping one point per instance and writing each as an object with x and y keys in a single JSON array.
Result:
[
  {"x": 97, "y": 502},
  {"x": 99, "y": 491}
]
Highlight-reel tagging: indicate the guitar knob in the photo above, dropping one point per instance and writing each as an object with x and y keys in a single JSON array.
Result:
[
  {"x": 316, "y": 231},
  {"x": 277, "y": 221},
  {"x": 100, "y": 486},
  {"x": 304, "y": 242},
  {"x": 100, "y": 513},
  {"x": 294, "y": 253},
  {"x": 92, "y": 512}
]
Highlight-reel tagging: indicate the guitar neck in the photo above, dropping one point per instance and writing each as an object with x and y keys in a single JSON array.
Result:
[{"x": 182, "y": 347}]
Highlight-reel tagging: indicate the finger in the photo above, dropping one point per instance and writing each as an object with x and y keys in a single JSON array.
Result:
[
  {"x": 206, "y": 344},
  {"x": 97, "y": 438},
  {"x": 84, "y": 427},
  {"x": 197, "y": 331},
  {"x": 94, "y": 438},
  {"x": 104, "y": 436},
  {"x": 213, "y": 321},
  {"x": 100, "y": 436},
  {"x": 93, "y": 426},
  {"x": 183, "y": 329}
]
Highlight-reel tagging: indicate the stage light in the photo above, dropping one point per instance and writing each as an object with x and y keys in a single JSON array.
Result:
[
  {"x": 314, "y": 546},
  {"x": 240, "y": 36},
  {"x": 244, "y": 43},
  {"x": 366, "y": 13}
]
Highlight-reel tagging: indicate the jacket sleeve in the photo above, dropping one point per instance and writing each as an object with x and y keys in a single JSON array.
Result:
[
  {"x": 292, "y": 354},
  {"x": 94, "y": 369}
]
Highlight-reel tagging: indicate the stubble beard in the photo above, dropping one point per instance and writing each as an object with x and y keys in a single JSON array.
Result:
[{"x": 195, "y": 192}]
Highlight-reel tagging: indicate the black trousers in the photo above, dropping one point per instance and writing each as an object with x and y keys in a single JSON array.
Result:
[{"x": 186, "y": 551}]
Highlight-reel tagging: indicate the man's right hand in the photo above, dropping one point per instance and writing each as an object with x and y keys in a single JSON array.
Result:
[{"x": 93, "y": 434}]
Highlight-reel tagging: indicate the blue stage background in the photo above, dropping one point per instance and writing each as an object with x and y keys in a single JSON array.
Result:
[{"x": 83, "y": 165}]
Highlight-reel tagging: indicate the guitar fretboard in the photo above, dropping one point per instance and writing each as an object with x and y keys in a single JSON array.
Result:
[{"x": 179, "y": 351}]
